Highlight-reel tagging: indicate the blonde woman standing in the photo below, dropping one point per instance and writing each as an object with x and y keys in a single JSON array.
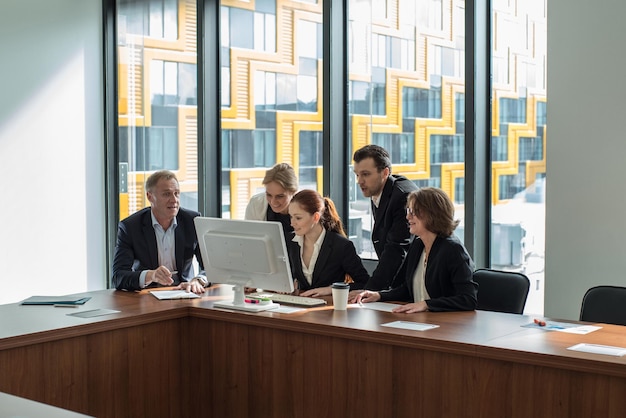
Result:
[{"x": 280, "y": 184}]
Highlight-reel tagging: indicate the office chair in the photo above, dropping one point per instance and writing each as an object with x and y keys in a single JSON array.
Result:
[
  {"x": 501, "y": 291},
  {"x": 605, "y": 304}
]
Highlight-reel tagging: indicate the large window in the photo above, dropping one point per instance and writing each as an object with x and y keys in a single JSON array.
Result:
[
  {"x": 406, "y": 90},
  {"x": 157, "y": 97},
  {"x": 271, "y": 105},
  {"x": 406, "y": 72},
  {"x": 518, "y": 156}
]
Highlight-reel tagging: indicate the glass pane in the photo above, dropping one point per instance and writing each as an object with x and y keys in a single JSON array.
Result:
[
  {"x": 518, "y": 142},
  {"x": 406, "y": 75},
  {"x": 157, "y": 97},
  {"x": 271, "y": 112}
]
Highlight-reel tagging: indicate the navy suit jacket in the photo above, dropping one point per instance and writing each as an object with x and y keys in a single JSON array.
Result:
[
  {"x": 390, "y": 234},
  {"x": 337, "y": 258},
  {"x": 136, "y": 248},
  {"x": 448, "y": 276}
]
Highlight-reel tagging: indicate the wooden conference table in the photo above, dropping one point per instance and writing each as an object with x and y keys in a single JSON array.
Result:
[{"x": 182, "y": 358}]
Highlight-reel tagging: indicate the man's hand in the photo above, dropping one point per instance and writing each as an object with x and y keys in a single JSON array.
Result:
[
  {"x": 161, "y": 276},
  {"x": 193, "y": 286}
]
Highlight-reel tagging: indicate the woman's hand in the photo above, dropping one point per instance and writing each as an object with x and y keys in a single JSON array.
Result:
[
  {"x": 367, "y": 296},
  {"x": 318, "y": 291},
  {"x": 412, "y": 307},
  {"x": 353, "y": 295}
]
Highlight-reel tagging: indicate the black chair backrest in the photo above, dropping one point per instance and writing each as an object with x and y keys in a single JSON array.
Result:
[
  {"x": 501, "y": 291},
  {"x": 605, "y": 304}
]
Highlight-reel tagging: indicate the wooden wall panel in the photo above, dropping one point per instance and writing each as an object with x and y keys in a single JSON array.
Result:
[{"x": 130, "y": 372}]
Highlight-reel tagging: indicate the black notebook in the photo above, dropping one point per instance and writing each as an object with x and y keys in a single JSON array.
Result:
[{"x": 55, "y": 300}]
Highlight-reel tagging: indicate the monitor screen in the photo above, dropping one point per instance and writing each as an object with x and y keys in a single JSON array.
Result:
[{"x": 244, "y": 254}]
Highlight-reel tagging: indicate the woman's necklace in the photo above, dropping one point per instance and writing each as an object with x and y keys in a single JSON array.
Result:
[
  {"x": 428, "y": 245},
  {"x": 426, "y": 253}
]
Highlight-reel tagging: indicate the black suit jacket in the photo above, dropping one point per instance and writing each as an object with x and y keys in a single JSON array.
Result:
[
  {"x": 448, "y": 277},
  {"x": 390, "y": 234},
  {"x": 136, "y": 248},
  {"x": 337, "y": 258}
]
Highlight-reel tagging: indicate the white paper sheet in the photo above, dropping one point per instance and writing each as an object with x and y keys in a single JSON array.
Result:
[
  {"x": 287, "y": 309},
  {"x": 413, "y": 326},
  {"x": 583, "y": 329},
  {"x": 599, "y": 349},
  {"x": 173, "y": 294},
  {"x": 92, "y": 313},
  {"x": 567, "y": 327},
  {"x": 379, "y": 306}
]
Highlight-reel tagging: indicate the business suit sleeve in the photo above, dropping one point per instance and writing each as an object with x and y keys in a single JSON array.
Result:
[
  {"x": 397, "y": 239},
  {"x": 197, "y": 251},
  {"x": 187, "y": 245},
  {"x": 295, "y": 262},
  {"x": 456, "y": 290},
  {"x": 401, "y": 292},
  {"x": 353, "y": 265},
  {"x": 125, "y": 271},
  {"x": 198, "y": 254}
]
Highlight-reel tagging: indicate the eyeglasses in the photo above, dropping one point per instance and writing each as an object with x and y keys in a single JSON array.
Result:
[{"x": 409, "y": 212}]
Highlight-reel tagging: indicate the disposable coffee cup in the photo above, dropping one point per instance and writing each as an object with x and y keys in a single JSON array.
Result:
[{"x": 340, "y": 295}]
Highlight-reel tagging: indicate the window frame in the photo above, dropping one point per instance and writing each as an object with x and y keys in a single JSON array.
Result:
[{"x": 336, "y": 154}]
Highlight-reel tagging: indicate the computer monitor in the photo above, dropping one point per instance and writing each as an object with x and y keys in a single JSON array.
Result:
[{"x": 244, "y": 254}]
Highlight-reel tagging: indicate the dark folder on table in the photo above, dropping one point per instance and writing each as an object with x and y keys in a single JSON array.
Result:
[{"x": 55, "y": 300}]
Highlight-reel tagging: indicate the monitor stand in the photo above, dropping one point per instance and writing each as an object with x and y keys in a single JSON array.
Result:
[{"x": 238, "y": 302}]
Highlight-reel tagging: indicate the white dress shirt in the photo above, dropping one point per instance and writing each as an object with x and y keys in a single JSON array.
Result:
[
  {"x": 308, "y": 270},
  {"x": 166, "y": 247},
  {"x": 419, "y": 283}
]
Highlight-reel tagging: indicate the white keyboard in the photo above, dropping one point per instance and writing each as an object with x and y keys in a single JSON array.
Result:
[{"x": 289, "y": 299}]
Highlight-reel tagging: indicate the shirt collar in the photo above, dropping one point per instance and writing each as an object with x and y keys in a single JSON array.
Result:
[
  {"x": 300, "y": 239},
  {"x": 156, "y": 223},
  {"x": 376, "y": 199}
]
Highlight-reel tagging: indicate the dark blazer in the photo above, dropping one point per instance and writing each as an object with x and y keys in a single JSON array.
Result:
[
  {"x": 337, "y": 258},
  {"x": 448, "y": 276},
  {"x": 136, "y": 248},
  {"x": 390, "y": 234}
]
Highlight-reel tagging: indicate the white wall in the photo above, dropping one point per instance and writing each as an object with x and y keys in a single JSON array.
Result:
[
  {"x": 52, "y": 238},
  {"x": 586, "y": 151}
]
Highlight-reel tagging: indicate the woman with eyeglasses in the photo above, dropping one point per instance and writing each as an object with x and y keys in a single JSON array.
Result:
[{"x": 437, "y": 270}]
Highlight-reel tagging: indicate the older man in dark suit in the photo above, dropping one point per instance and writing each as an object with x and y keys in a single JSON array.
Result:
[
  {"x": 390, "y": 234},
  {"x": 155, "y": 246}
]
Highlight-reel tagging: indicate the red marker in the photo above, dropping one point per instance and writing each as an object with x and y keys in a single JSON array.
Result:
[{"x": 252, "y": 301}]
